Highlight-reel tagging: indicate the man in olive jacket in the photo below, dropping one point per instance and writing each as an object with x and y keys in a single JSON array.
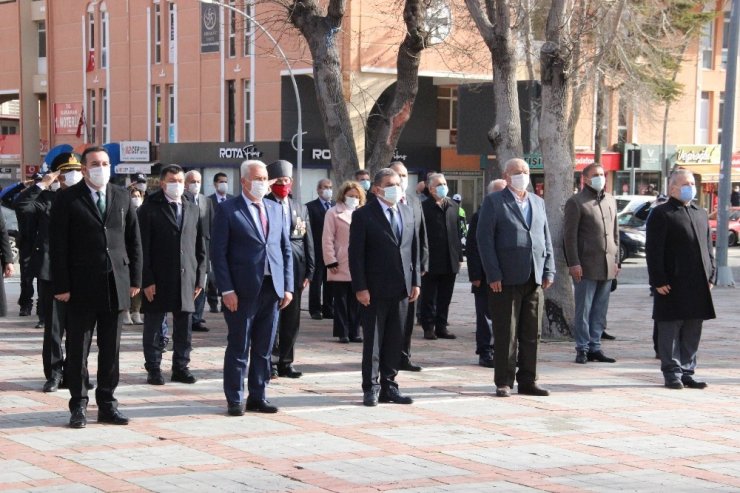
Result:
[{"x": 591, "y": 240}]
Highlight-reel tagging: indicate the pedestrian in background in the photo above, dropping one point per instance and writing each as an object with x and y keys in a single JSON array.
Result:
[
  {"x": 591, "y": 239},
  {"x": 319, "y": 292},
  {"x": 221, "y": 184},
  {"x": 335, "y": 246},
  {"x": 193, "y": 193},
  {"x": 681, "y": 267},
  {"x": 133, "y": 316}
]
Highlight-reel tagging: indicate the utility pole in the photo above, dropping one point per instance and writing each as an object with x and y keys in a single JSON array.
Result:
[{"x": 724, "y": 272}]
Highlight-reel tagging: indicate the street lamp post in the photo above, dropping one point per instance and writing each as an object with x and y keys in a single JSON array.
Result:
[{"x": 299, "y": 130}]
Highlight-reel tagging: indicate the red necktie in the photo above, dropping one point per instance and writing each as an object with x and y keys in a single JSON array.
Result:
[{"x": 263, "y": 217}]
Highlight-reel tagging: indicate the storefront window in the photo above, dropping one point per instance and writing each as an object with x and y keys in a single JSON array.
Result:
[{"x": 646, "y": 183}]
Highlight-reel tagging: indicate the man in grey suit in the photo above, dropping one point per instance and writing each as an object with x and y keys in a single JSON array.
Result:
[
  {"x": 193, "y": 182},
  {"x": 516, "y": 253}
]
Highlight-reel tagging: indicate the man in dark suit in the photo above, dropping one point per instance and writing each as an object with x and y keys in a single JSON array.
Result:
[
  {"x": 27, "y": 228},
  {"x": 682, "y": 270},
  {"x": 193, "y": 181},
  {"x": 516, "y": 252},
  {"x": 415, "y": 204},
  {"x": 173, "y": 272},
  {"x": 384, "y": 263},
  {"x": 252, "y": 259},
  {"x": 37, "y": 200},
  {"x": 95, "y": 252},
  {"x": 301, "y": 243},
  {"x": 479, "y": 288},
  {"x": 319, "y": 307},
  {"x": 221, "y": 184},
  {"x": 441, "y": 216}
]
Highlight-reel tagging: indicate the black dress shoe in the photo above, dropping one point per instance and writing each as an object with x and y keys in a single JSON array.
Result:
[
  {"x": 430, "y": 335},
  {"x": 607, "y": 337},
  {"x": 112, "y": 418},
  {"x": 533, "y": 389},
  {"x": 674, "y": 384},
  {"x": 445, "y": 334},
  {"x": 273, "y": 372},
  {"x": 503, "y": 391},
  {"x": 370, "y": 398},
  {"x": 316, "y": 316},
  {"x": 262, "y": 406},
  {"x": 52, "y": 385},
  {"x": 39, "y": 324},
  {"x": 486, "y": 362},
  {"x": 392, "y": 394},
  {"x": 693, "y": 384},
  {"x": 183, "y": 376},
  {"x": 235, "y": 409},
  {"x": 344, "y": 340},
  {"x": 154, "y": 377},
  {"x": 581, "y": 357},
  {"x": 355, "y": 339},
  {"x": 289, "y": 371},
  {"x": 407, "y": 365},
  {"x": 200, "y": 328},
  {"x": 25, "y": 311},
  {"x": 600, "y": 357},
  {"x": 78, "y": 418}
]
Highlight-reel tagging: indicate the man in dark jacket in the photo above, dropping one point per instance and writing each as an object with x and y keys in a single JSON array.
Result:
[
  {"x": 301, "y": 243},
  {"x": 37, "y": 201},
  {"x": 441, "y": 217},
  {"x": 682, "y": 270},
  {"x": 479, "y": 288},
  {"x": 27, "y": 228},
  {"x": 95, "y": 252},
  {"x": 320, "y": 306},
  {"x": 173, "y": 272}
]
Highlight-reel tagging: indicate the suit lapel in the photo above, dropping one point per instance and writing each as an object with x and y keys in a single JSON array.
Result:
[
  {"x": 511, "y": 204},
  {"x": 244, "y": 209},
  {"x": 87, "y": 200},
  {"x": 380, "y": 213}
]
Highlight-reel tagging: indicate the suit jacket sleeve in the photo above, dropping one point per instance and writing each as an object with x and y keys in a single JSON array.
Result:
[
  {"x": 26, "y": 202},
  {"x": 475, "y": 269},
  {"x": 356, "y": 252},
  {"x": 5, "y": 251},
  {"x": 487, "y": 241},
  {"x": 710, "y": 251},
  {"x": 423, "y": 242},
  {"x": 133, "y": 244},
  {"x": 59, "y": 243},
  {"x": 549, "y": 270},
  {"x": 200, "y": 251},
  {"x": 308, "y": 246},
  {"x": 328, "y": 237},
  {"x": 571, "y": 221},
  {"x": 287, "y": 255},
  {"x": 656, "y": 230},
  {"x": 219, "y": 245},
  {"x": 147, "y": 274},
  {"x": 415, "y": 259}
]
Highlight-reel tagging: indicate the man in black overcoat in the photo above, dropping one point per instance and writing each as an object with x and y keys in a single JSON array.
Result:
[
  {"x": 95, "y": 252},
  {"x": 682, "y": 271},
  {"x": 173, "y": 274},
  {"x": 301, "y": 243}
]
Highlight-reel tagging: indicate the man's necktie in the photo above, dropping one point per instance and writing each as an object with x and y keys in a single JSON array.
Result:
[
  {"x": 177, "y": 213},
  {"x": 263, "y": 217},
  {"x": 395, "y": 224},
  {"x": 326, "y": 206},
  {"x": 101, "y": 203}
]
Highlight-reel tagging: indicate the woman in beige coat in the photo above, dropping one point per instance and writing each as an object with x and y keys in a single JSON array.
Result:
[{"x": 335, "y": 243}]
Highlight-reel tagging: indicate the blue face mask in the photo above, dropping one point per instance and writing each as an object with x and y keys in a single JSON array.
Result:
[
  {"x": 365, "y": 184},
  {"x": 688, "y": 192},
  {"x": 442, "y": 191}
]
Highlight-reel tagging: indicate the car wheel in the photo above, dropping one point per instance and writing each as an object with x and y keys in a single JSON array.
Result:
[
  {"x": 732, "y": 238},
  {"x": 622, "y": 253},
  {"x": 14, "y": 249}
]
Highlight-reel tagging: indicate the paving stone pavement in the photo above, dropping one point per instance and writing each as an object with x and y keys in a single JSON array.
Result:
[{"x": 605, "y": 427}]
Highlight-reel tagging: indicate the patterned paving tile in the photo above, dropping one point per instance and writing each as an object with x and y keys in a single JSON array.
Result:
[
  {"x": 141, "y": 459},
  {"x": 382, "y": 470},
  {"x": 530, "y": 457}
]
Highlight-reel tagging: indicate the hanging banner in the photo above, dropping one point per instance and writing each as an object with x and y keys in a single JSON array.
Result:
[
  {"x": 209, "y": 28},
  {"x": 66, "y": 118}
]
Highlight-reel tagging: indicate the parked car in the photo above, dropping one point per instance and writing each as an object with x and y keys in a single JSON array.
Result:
[
  {"x": 734, "y": 226},
  {"x": 631, "y": 236},
  {"x": 629, "y": 203},
  {"x": 11, "y": 223}
]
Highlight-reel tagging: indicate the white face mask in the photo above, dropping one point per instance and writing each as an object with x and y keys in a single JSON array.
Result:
[
  {"x": 137, "y": 201},
  {"x": 392, "y": 194},
  {"x": 174, "y": 190},
  {"x": 140, "y": 187},
  {"x": 222, "y": 188},
  {"x": 327, "y": 194},
  {"x": 72, "y": 177},
  {"x": 194, "y": 188},
  {"x": 258, "y": 189},
  {"x": 598, "y": 182},
  {"x": 54, "y": 186},
  {"x": 404, "y": 183},
  {"x": 519, "y": 182},
  {"x": 351, "y": 202},
  {"x": 99, "y": 176}
]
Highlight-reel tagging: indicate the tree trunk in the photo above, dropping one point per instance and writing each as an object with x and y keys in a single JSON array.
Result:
[
  {"x": 599, "y": 123},
  {"x": 494, "y": 26},
  {"x": 383, "y": 137},
  {"x": 320, "y": 33},
  {"x": 556, "y": 144}
]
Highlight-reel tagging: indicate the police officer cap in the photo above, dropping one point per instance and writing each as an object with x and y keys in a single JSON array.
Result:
[
  {"x": 279, "y": 169},
  {"x": 65, "y": 161}
]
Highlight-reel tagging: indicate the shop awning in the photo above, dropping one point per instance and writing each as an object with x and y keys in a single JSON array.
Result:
[{"x": 710, "y": 173}]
